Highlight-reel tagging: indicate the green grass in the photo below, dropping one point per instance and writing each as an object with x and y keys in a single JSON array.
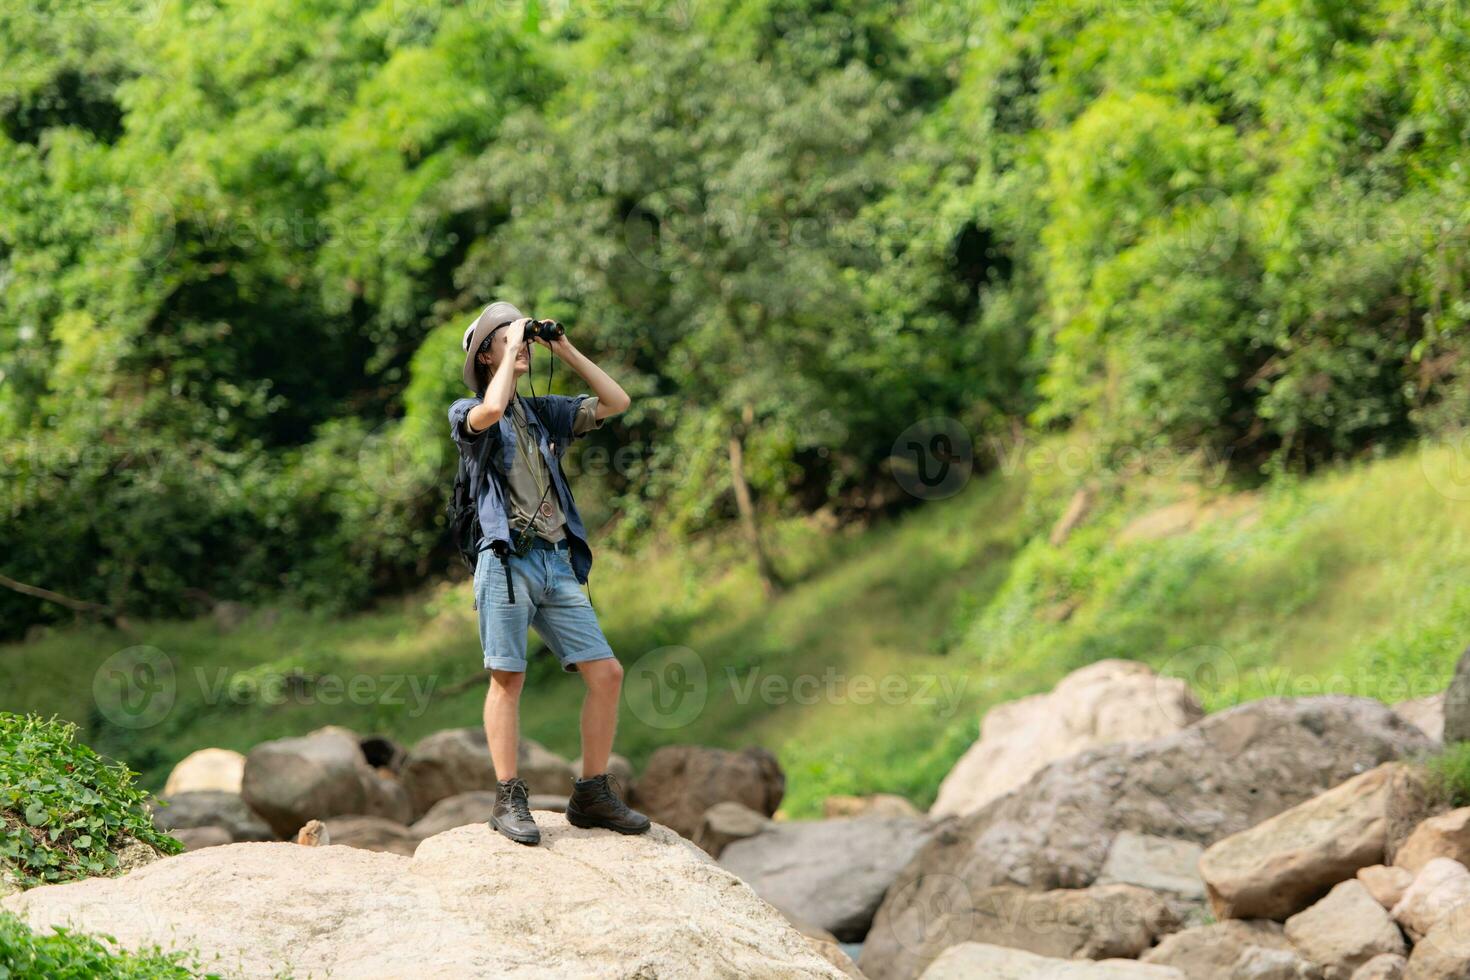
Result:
[{"x": 870, "y": 673}]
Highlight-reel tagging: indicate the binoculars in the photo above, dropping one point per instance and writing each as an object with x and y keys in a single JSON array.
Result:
[{"x": 547, "y": 330}]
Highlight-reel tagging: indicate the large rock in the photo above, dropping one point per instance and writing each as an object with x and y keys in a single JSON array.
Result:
[
  {"x": 1219, "y": 951},
  {"x": 1445, "y": 951},
  {"x": 1344, "y": 930},
  {"x": 682, "y": 781},
  {"x": 456, "y": 811},
  {"x": 1285, "y": 863},
  {"x": 972, "y": 961},
  {"x": 1440, "y": 887},
  {"x": 469, "y": 903},
  {"x": 1228, "y": 772},
  {"x": 1098, "y": 922},
  {"x": 1446, "y": 835},
  {"x": 1103, "y": 703},
  {"x": 206, "y": 769},
  {"x": 1161, "y": 864},
  {"x": 874, "y": 804},
  {"x": 1427, "y": 713},
  {"x": 1384, "y": 966},
  {"x": 725, "y": 823},
  {"x": 1385, "y": 883},
  {"x": 372, "y": 834},
  {"x": 457, "y": 760},
  {"x": 1457, "y": 705},
  {"x": 193, "y": 838},
  {"x": 830, "y": 873},
  {"x": 211, "y": 808},
  {"x": 289, "y": 781}
]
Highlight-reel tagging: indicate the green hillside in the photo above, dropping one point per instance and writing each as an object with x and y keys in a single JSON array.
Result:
[{"x": 871, "y": 671}]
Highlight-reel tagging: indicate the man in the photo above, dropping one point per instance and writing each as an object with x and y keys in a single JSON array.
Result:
[{"x": 535, "y": 559}]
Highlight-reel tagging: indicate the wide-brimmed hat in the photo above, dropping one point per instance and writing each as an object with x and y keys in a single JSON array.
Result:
[{"x": 497, "y": 314}]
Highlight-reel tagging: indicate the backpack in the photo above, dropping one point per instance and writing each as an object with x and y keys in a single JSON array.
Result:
[{"x": 463, "y": 515}]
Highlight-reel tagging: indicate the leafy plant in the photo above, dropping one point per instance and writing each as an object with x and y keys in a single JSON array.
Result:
[
  {"x": 67, "y": 955},
  {"x": 65, "y": 810}
]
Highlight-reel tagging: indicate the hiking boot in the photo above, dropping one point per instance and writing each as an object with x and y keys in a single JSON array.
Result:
[
  {"x": 512, "y": 813},
  {"x": 595, "y": 803}
]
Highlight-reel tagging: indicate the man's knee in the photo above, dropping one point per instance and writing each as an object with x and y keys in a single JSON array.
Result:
[
  {"x": 507, "y": 683},
  {"x": 602, "y": 675}
]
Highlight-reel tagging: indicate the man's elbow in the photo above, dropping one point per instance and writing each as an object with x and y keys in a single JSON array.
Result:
[{"x": 617, "y": 405}]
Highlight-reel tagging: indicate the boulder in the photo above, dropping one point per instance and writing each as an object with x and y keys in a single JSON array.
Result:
[
  {"x": 1444, "y": 836},
  {"x": 1385, "y": 883},
  {"x": 1259, "y": 963},
  {"x": 1444, "y": 952},
  {"x": 469, "y": 903},
  {"x": 1217, "y": 951},
  {"x": 289, "y": 781},
  {"x": 372, "y": 834},
  {"x": 1415, "y": 795},
  {"x": 1427, "y": 713},
  {"x": 830, "y": 873},
  {"x": 617, "y": 766},
  {"x": 1217, "y": 777},
  {"x": 1441, "y": 886},
  {"x": 1457, "y": 707},
  {"x": 725, "y": 823},
  {"x": 969, "y": 961},
  {"x": 193, "y": 838},
  {"x": 456, "y": 811},
  {"x": 681, "y": 782},
  {"x": 1384, "y": 966},
  {"x": 827, "y": 947},
  {"x": 1344, "y": 930},
  {"x": 1285, "y": 863},
  {"x": 1160, "y": 864},
  {"x": 206, "y": 769},
  {"x": 1103, "y": 703},
  {"x": 210, "y": 808},
  {"x": 1097, "y": 922},
  {"x": 457, "y": 760},
  {"x": 875, "y": 804}
]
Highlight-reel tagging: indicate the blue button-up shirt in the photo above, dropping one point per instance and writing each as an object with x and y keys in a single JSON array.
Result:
[{"x": 492, "y": 453}]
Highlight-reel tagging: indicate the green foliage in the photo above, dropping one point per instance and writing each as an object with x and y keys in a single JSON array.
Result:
[
  {"x": 65, "y": 810},
  {"x": 239, "y": 242},
  {"x": 68, "y": 955}
]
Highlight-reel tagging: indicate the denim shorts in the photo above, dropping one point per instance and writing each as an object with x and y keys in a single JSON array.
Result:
[{"x": 548, "y": 597}]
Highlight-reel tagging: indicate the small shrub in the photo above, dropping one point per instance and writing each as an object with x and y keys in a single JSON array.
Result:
[
  {"x": 1451, "y": 770},
  {"x": 66, "y": 955},
  {"x": 64, "y": 809}
]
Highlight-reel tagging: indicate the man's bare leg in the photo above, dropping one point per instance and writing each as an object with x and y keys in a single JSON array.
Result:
[
  {"x": 599, "y": 713},
  {"x": 503, "y": 720}
]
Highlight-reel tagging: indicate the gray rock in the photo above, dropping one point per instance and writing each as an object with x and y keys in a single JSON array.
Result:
[
  {"x": 830, "y": 873},
  {"x": 210, "y": 808},
  {"x": 289, "y": 781},
  {"x": 725, "y": 823},
  {"x": 1224, "y": 774},
  {"x": 1457, "y": 705},
  {"x": 985, "y": 961},
  {"x": 683, "y": 781},
  {"x": 1161, "y": 864},
  {"x": 457, "y": 760},
  {"x": 1212, "y": 952},
  {"x": 194, "y": 838},
  {"x": 1344, "y": 930},
  {"x": 372, "y": 834}
]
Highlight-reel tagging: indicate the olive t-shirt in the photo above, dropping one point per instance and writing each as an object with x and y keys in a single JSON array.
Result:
[{"x": 532, "y": 499}]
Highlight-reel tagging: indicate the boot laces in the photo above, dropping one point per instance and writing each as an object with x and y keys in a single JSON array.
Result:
[
  {"x": 608, "y": 791},
  {"x": 518, "y": 801}
]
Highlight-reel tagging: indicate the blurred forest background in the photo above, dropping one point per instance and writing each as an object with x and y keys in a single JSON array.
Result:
[{"x": 239, "y": 242}]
